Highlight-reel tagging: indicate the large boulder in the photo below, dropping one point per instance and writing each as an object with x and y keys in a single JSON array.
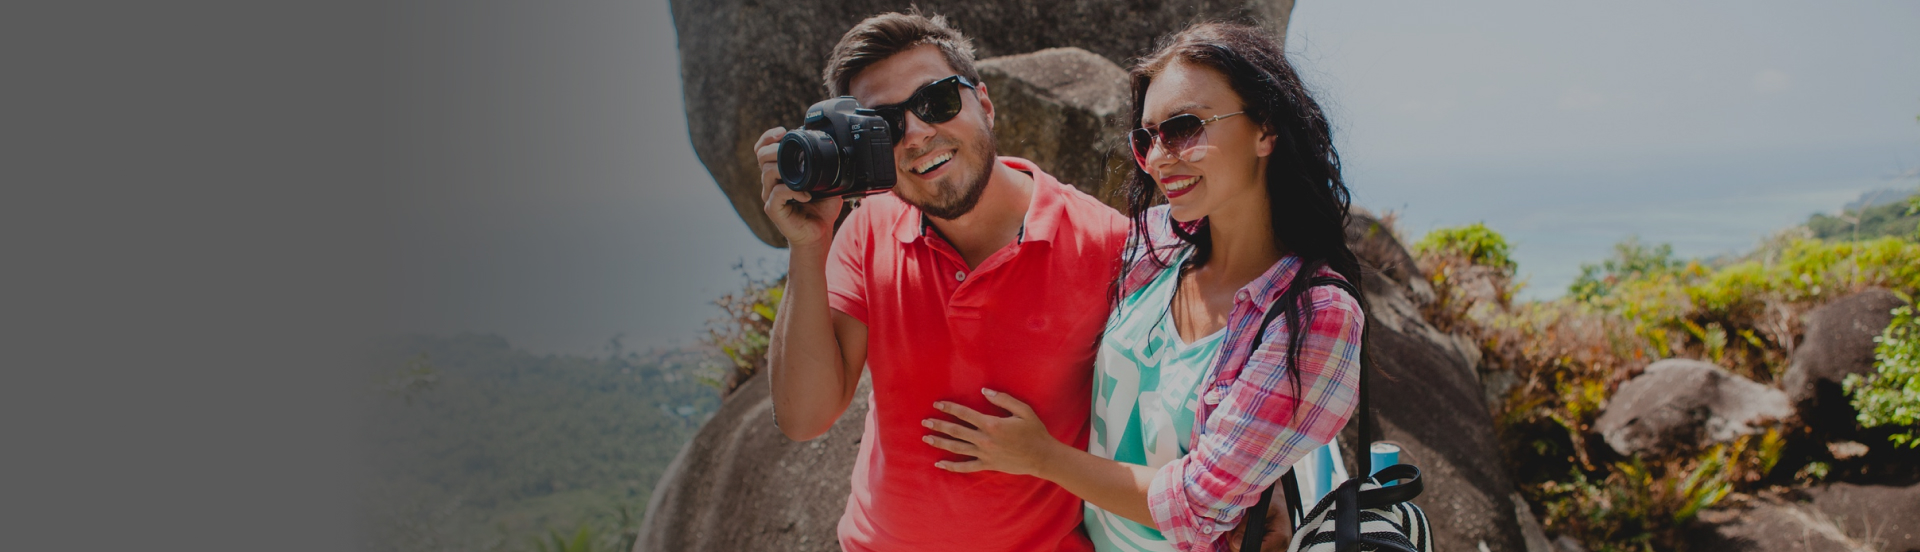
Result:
[
  {"x": 1064, "y": 109},
  {"x": 741, "y": 485},
  {"x": 1838, "y": 341},
  {"x": 1681, "y": 404},
  {"x": 747, "y": 66}
]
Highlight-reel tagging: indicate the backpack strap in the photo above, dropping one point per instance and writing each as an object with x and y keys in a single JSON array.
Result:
[{"x": 1256, "y": 518}]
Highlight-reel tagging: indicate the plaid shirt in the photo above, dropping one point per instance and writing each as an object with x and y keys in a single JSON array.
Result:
[{"x": 1250, "y": 427}]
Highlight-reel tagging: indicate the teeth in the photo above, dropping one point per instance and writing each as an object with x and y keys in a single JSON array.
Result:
[
  {"x": 931, "y": 163},
  {"x": 1181, "y": 184}
]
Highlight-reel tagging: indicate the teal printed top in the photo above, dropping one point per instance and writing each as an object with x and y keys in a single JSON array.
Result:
[{"x": 1146, "y": 389}]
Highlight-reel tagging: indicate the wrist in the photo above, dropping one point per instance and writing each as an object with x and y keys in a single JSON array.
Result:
[
  {"x": 1053, "y": 458},
  {"x": 811, "y": 252}
]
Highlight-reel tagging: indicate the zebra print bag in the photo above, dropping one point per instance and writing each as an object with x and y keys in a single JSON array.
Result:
[{"x": 1362, "y": 514}]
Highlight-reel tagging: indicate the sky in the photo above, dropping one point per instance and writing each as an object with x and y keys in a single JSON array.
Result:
[{"x": 549, "y": 192}]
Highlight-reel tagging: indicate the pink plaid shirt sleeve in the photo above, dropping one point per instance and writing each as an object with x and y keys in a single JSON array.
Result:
[{"x": 1251, "y": 426}]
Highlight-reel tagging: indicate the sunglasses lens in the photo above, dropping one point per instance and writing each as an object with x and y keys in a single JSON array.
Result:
[
  {"x": 939, "y": 102},
  {"x": 1180, "y": 133},
  {"x": 1142, "y": 140},
  {"x": 896, "y": 121}
]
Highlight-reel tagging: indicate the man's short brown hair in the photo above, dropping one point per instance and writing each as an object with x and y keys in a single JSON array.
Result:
[{"x": 884, "y": 35}]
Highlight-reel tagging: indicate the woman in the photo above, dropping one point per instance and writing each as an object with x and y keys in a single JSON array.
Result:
[{"x": 1194, "y": 415}]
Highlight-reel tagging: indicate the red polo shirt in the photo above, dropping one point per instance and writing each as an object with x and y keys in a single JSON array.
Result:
[{"x": 1024, "y": 322}]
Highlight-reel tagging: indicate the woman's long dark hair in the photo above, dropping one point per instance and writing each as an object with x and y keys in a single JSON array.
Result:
[{"x": 1306, "y": 197}]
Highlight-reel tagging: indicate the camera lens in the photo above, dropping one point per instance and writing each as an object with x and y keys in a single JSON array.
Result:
[{"x": 809, "y": 160}]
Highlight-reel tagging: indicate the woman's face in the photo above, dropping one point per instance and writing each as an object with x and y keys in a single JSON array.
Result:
[{"x": 1225, "y": 169}]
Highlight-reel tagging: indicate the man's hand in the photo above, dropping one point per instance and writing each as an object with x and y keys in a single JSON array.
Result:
[{"x": 804, "y": 222}]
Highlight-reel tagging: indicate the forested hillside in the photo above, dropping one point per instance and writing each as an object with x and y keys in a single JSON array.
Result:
[{"x": 474, "y": 445}]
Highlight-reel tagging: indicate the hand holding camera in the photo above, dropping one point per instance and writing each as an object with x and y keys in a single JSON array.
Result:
[
  {"x": 840, "y": 150},
  {"x": 802, "y": 220}
]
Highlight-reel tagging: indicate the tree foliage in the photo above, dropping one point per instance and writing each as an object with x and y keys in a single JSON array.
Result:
[{"x": 506, "y": 444}]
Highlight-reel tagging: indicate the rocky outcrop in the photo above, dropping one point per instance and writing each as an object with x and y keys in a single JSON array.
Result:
[
  {"x": 1837, "y": 517},
  {"x": 1680, "y": 405},
  {"x": 1427, "y": 397},
  {"x": 748, "y": 66},
  {"x": 1770, "y": 525},
  {"x": 1064, "y": 109},
  {"x": 1838, "y": 341},
  {"x": 741, "y": 485},
  {"x": 1884, "y": 517}
]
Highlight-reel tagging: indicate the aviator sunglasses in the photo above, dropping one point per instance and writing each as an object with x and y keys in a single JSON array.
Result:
[
  {"x": 935, "y": 103},
  {"x": 1177, "y": 135}
]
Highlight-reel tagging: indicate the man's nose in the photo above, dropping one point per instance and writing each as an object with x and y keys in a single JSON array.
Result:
[{"x": 916, "y": 133}]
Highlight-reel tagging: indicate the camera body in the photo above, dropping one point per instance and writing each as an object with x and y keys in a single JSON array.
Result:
[{"x": 841, "y": 150}]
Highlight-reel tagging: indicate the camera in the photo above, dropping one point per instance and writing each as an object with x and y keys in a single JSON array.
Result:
[{"x": 841, "y": 150}]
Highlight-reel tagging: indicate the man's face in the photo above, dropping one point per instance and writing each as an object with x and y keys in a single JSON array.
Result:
[{"x": 941, "y": 168}]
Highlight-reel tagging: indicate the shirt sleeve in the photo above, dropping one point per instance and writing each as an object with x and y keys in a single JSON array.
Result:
[
  {"x": 1261, "y": 426},
  {"x": 847, "y": 265}
]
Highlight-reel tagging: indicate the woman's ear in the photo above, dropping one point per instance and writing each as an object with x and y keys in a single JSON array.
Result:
[{"x": 1264, "y": 147}]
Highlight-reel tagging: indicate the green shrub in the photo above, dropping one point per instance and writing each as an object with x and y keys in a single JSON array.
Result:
[
  {"x": 1631, "y": 260},
  {"x": 1475, "y": 242},
  {"x": 1891, "y": 395},
  {"x": 743, "y": 330}
]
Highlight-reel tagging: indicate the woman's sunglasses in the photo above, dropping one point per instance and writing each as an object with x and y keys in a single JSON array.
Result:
[
  {"x": 1177, "y": 135},
  {"x": 935, "y": 103}
]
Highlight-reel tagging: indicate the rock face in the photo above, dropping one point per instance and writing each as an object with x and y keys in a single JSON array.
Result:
[
  {"x": 1883, "y": 517},
  {"x": 748, "y": 66},
  {"x": 1771, "y": 525},
  {"x": 1681, "y": 404},
  {"x": 741, "y": 485},
  {"x": 1427, "y": 398},
  {"x": 1064, "y": 109},
  {"x": 1838, "y": 341},
  {"x": 1840, "y": 517}
]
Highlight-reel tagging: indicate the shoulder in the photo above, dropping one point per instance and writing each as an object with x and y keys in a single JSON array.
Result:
[
  {"x": 1334, "y": 301},
  {"x": 1086, "y": 213}
]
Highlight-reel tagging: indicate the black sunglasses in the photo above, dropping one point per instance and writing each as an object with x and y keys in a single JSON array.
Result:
[
  {"x": 1177, "y": 135},
  {"x": 935, "y": 103}
]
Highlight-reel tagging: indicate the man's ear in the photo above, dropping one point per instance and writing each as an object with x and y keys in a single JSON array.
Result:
[{"x": 986, "y": 104}]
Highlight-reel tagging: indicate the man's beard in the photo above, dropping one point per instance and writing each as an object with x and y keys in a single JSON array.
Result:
[{"x": 950, "y": 202}]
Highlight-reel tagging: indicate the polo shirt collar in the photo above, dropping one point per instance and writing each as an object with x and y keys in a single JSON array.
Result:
[{"x": 1043, "y": 212}]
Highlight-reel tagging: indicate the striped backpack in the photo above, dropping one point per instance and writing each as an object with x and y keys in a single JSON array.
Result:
[{"x": 1373, "y": 513}]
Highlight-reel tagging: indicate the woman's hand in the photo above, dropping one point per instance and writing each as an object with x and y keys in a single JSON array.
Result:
[
  {"x": 1017, "y": 444},
  {"x": 1279, "y": 531}
]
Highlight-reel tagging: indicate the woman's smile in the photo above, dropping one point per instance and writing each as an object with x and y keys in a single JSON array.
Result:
[{"x": 1178, "y": 185}]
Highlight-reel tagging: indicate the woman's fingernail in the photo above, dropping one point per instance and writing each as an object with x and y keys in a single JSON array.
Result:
[
  {"x": 940, "y": 406},
  {"x": 989, "y": 392},
  {"x": 927, "y": 423},
  {"x": 927, "y": 438}
]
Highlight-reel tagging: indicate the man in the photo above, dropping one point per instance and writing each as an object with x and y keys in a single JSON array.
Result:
[{"x": 976, "y": 272}]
